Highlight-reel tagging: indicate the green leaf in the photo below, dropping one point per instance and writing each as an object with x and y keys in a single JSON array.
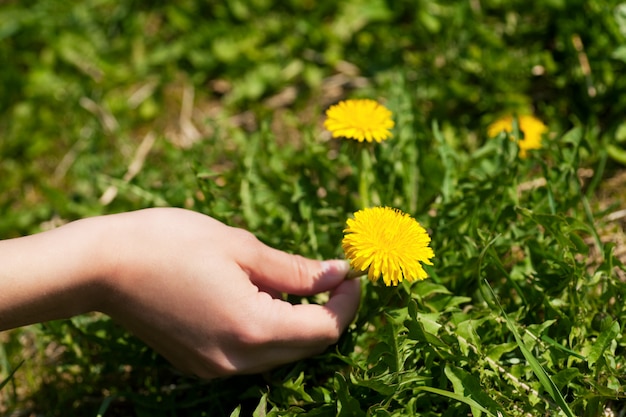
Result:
[
  {"x": 617, "y": 153},
  {"x": 565, "y": 376},
  {"x": 454, "y": 396},
  {"x": 298, "y": 387},
  {"x": 417, "y": 331},
  {"x": 261, "y": 408},
  {"x": 467, "y": 332},
  {"x": 495, "y": 352},
  {"x": 559, "y": 346},
  {"x": 469, "y": 386},
  {"x": 603, "y": 342},
  {"x": 382, "y": 383},
  {"x": 347, "y": 406},
  {"x": 427, "y": 288}
]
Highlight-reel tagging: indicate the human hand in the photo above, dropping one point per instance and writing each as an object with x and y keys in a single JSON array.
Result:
[{"x": 207, "y": 296}]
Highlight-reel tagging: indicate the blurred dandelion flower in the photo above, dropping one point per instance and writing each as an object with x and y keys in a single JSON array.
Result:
[
  {"x": 385, "y": 241},
  {"x": 362, "y": 120},
  {"x": 531, "y": 128}
]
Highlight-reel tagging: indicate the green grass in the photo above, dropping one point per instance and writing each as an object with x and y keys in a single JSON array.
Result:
[{"x": 218, "y": 108}]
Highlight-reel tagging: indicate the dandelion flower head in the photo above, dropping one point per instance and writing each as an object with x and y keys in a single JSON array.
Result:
[
  {"x": 531, "y": 128},
  {"x": 360, "y": 119},
  {"x": 389, "y": 243}
]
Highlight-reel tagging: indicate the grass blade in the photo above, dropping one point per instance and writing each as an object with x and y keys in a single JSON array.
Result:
[
  {"x": 8, "y": 378},
  {"x": 104, "y": 406},
  {"x": 538, "y": 370}
]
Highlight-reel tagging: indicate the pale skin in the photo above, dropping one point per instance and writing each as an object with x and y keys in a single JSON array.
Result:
[{"x": 204, "y": 295}]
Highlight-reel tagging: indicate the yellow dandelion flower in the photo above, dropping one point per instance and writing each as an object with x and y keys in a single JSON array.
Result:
[
  {"x": 385, "y": 241},
  {"x": 360, "y": 120},
  {"x": 531, "y": 128}
]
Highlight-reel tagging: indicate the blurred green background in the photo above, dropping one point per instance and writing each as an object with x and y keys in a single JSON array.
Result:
[{"x": 84, "y": 82}]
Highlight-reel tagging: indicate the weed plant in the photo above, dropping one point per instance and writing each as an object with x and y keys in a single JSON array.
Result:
[{"x": 218, "y": 108}]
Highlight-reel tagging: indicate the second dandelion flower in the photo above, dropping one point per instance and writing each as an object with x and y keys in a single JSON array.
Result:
[{"x": 359, "y": 119}]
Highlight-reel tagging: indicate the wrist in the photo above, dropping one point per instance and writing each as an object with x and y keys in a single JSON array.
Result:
[
  {"x": 92, "y": 269},
  {"x": 50, "y": 275}
]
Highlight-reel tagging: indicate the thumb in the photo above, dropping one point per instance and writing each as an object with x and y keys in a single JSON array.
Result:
[{"x": 292, "y": 274}]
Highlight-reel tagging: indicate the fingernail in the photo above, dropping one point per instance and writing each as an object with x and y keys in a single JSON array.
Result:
[{"x": 336, "y": 266}]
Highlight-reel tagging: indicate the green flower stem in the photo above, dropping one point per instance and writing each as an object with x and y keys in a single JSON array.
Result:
[
  {"x": 353, "y": 274},
  {"x": 365, "y": 171}
]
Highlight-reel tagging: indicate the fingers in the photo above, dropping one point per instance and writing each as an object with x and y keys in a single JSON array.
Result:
[
  {"x": 286, "y": 333},
  {"x": 293, "y": 274},
  {"x": 342, "y": 306},
  {"x": 310, "y": 324}
]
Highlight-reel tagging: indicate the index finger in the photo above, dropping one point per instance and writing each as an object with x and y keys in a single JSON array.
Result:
[{"x": 271, "y": 268}]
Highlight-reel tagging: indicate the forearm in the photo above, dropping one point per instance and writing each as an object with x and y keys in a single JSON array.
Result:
[{"x": 50, "y": 275}]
